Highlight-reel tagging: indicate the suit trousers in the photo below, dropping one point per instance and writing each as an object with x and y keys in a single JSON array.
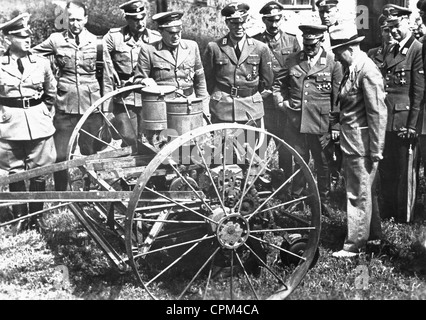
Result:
[
  {"x": 65, "y": 124},
  {"x": 362, "y": 221}
]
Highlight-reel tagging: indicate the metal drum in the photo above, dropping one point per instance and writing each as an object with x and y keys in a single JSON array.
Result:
[
  {"x": 154, "y": 109},
  {"x": 184, "y": 114}
]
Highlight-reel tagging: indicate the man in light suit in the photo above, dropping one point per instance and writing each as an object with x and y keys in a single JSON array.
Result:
[
  {"x": 239, "y": 69},
  {"x": 362, "y": 117},
  {"x": 306, "y": 88},
  {"x": 404, "y": 83},
  {"x": 27, "y": 95}
]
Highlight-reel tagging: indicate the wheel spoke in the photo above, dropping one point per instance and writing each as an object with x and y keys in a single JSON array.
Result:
[
  {"x": 265, "y": 265},
  {"x": 198, "y": 272},
  {"x": 262, "y": 169},
  {"x": 210, "y": 177},
  {"x": 96, "y": 138},
  {"x": 174, "y": 246},
  {"x": 177, "y": 260},
  {"x": 277, "y": 247},
  {"x": 273, "y": 194},
  {"x": 247, "y": 276},
  {"x": 180, "y": 205}
]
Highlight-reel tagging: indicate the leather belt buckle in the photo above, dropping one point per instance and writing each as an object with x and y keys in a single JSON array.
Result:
[
  {"x": 234, "y": 91},
  {"x": 26, "y": 103}
]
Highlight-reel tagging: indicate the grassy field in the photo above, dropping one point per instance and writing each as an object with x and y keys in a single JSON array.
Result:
[{"x": 64, "y": 264}]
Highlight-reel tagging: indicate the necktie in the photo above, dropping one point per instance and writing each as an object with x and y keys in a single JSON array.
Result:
[
  {"x": 237, "y": 51},
  {"x": 20, "y": 66},
  {"x": 77, "y": 40},
  {"x": 396, "y": 50}
]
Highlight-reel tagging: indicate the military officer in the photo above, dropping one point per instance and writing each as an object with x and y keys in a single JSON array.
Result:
[
  {"x": 172, "y": 61},
  {"x": 239, "y": 69},
  {"x": 404, "y": 84},
  {"x": 123, "y": 45},
  {"x": 281, "y": 44},
  {"x": 378, "y": 54},
  {"x": 307, "y": 89},
  {"x": 75, "y": 51},
  {"x": 27, "y": 95},
  {"x": 328, "y": 12}
]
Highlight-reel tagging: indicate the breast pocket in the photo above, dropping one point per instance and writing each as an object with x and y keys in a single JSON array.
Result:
[
  {"x": 121, "y": 58},
  {"x": 253, "y": 62},
  {"x": 401, "y": 111},
  {"x": 89, "y": 61},
  {"x": 188, "y": 70},
  {"x": 64, "y": 59},
  {"x": 161, "y": 70},
  {"x": 221, "y": 66}
]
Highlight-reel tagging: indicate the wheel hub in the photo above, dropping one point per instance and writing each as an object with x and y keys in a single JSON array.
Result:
[{"x": 232, "y": 231}]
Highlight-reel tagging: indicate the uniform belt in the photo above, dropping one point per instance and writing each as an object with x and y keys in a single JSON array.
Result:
[
  {"x": 20, "y": 103},
  {"x": 237, "y": 92},
  {"x": 125, "y": 77}
]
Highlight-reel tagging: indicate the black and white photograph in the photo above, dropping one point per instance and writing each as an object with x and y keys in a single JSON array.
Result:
[{"x": 230, "y": 151}]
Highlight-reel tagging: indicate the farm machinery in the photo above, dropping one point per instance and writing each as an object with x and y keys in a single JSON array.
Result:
[{"x": 197, "y": 206}]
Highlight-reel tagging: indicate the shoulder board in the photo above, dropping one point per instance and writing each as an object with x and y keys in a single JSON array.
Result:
[
  {"x": 290, "y": 33},
  {"x": 155, "y": 32},
  {"x": 113, "y": 30}
]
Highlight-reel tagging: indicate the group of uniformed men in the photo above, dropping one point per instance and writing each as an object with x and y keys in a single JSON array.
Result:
[{"x": 299, "y": 90}]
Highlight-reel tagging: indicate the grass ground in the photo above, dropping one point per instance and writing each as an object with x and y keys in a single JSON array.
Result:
[{"x": 66, "y": 265}]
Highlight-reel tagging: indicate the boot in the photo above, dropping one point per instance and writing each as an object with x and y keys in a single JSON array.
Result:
[
  {"x": 61, "y": 180},
  {"x": 36, "y": 184},
  {"x": 19, "y": 210}
]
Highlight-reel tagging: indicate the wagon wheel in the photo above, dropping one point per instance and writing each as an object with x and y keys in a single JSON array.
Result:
[
  {"x": 114, "y": 173},
  {"x": 214, "y": 227}
]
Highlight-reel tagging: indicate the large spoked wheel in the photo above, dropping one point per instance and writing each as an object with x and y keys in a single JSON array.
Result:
[
  {"x": 113, "y": 165},
  {"x": 209, "y": 218}
]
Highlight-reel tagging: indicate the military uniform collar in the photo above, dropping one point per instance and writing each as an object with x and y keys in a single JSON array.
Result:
[
  {"x": 273, "y": 37},
  {"x": 161, "y": 45},
  {"x": 6, "y": 57}
]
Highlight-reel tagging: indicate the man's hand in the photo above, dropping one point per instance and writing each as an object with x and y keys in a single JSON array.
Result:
[
  {"x": 325, "y": 140},
  {"x": 375, "y": 158},
  {"x": 149, "y": 82},
  {"x": 407, "y": 133},
  {"x": 335, "y": 135}
]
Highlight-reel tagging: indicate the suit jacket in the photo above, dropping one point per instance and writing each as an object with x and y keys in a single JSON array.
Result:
[
  {"x": 310, "y": 92},
  {"x": 363, "y": 114},
  {"x": 36, "y": 82},
  {"x": 121, "y": 53},
  {"x": 78, "y": 87},
  {"x": 252, "y": 71},
  {"x": 157, "y": 62},
  {"x": 404, "y": 84}
]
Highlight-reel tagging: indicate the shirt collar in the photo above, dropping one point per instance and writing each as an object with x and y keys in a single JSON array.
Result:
[{"x": 403, "y": 42}]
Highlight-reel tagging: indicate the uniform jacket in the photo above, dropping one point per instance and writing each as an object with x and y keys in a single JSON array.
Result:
[
  {"x": 404, "y": 84},
  {"x": 378, "y": 56},
  {"x": 121, "y": 53},
  {"x": 253, "y": 71},
  {"x": 280, "y": 48},
  {"x": 37, "y": 81},
  {"x": 363, "y": 114},
  {"x": 157, "y": 62},
  {"x": 78, "y": 87},
  {"x": 311, "y": 91}
]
